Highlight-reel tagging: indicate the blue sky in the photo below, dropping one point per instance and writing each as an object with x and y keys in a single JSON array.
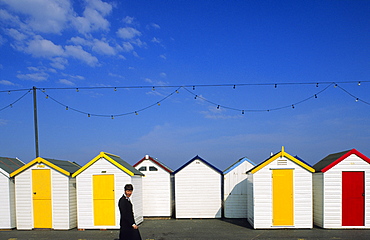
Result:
[{"x": 97, "y": 45}]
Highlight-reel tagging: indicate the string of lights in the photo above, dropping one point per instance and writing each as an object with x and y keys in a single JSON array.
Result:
[
  {"x": 12, "y": 104},
  {"x": 158, "y": 103},
  {"x": 196, "y": 96},
  {"x": 218, "y": 106}
]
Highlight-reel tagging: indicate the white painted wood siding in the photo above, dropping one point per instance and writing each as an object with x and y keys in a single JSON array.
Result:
[
  {"x": 137, "y": 199},
  {"x": 302, "y": 190},
  {"x": 23, "y": 200},
  {"x": 332, "y": 200},
  {"x": 157, "y": 191},
  {"x": 198, "y": 191},
  {"x": 85, "y": 214},
  {"x": 7, "y": 209},
  {"x": 235, "y": 191}
]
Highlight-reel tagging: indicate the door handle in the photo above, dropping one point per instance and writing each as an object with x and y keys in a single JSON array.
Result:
[
  {"x": 34, "y": 192},
  {"x": 363, "y": 194}
]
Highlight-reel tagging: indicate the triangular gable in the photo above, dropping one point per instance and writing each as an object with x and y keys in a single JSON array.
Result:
[
  {"x": 237, "y": 163},
  {"x": 333, "y": 159},
  {"x": 161, "y": 165},
  {"x": 282, "y": 153},
  {"x": 200, "y": 159},
  {"x": 64, "y": 167},
  {"x": 9, "y": 165},
  {"x": 115, "y": 160}
]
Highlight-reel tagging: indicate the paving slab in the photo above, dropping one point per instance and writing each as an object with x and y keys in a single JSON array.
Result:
[{"x": 175, "y": 229}]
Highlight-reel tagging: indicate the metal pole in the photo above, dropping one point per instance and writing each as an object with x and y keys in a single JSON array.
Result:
[{"x": 35, "y": 121}]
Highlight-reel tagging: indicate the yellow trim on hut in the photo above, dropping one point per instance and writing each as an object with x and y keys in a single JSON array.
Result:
[
  {"x": 106, "y": 156},
  {"x": 39, "y": 160},
  {"x": 282, "y": 153}
]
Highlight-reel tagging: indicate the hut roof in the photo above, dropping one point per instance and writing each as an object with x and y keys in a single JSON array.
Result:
[
  {"x": 9, "y": 165},
  {"x": 160, "y": 164},
  {"x": 237, "y": 163},
  {"x": 282, "y": 153},
  {"x": 200, "y": 159},
  {"x": 115, "y": 160},
  {"x": 65, "y": 167},
  {"x": 333, "y": 159}
]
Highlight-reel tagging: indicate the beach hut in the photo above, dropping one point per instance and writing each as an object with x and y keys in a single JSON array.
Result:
[
  {"x": 341, "y": 187},
  {"x": 198, "y": 190},
  {"x": 157, "y": 187},
  {"x": 7, "y": 197},
  {"x": 235, "y": 188},
  {"x": 45, "y": 194},
  {"x": 100, "y": 185},
  {"x": 280, "y": 193}
]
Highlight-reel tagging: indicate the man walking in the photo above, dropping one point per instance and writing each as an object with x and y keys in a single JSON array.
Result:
[{"x": 129, "y": 230}]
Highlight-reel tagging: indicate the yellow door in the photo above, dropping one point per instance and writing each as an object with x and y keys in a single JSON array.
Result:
[
  {"x": 103, "y": 197},
  {"x": 41, "y": 198},
  {"x": 282, "y": 197}
]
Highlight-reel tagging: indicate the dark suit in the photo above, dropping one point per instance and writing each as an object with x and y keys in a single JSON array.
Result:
[{"x": 127, "y": 232}]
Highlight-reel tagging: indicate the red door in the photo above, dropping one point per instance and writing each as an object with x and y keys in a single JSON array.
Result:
[{"x": 353, "y": 199}]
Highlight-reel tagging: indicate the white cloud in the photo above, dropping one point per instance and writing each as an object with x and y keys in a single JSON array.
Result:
[
  {"x": 153, "y": 26},
  {"x": 66, "y": 82},
  {"x": 128, "y": 20},
  {"x": 6, "y": 82},
  {"x": 102, "y": 47},
  {"x": 59, "y": 63},
  {"x": 40, "y": 47},
  {"x": 36, "y": 77},
  {"x": 14, "y": 33},
  {"x": 80, "y": 54},
  {"x": 43, "y": 15},
  {"x": 156, "y": 40},
  {"x": 127, "y": 47},
  {"x": 163, "y": 56},
  {"x": 162, "y": 74},
  {"x": 128, "y": 33}
]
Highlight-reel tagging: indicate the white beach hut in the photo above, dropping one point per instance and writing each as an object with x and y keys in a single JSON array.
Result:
[
  {"x": 7, "y": 196},
  {"x": 100, "y": 185},
  {"x": 235, "y": 188},
  {"x": 341, "y": 187},
  {"x": 157, "y": 187},
  {"x": 45, "y": 194},
  {"x": 280, "y": 193},
  {"x": 198, "y": 190}
]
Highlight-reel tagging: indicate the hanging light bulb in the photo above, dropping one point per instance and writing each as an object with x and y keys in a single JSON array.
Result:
[
  {"x": 193, "y": 87},
  {"x": 158, "y": 103},
  {"x": 292, "y": 105},
  {"x": 218, "y": 106},
  {"x": 47, "y": 96},
  {"x": 242, "y": 111},
  {"x": 359, "y": 83},
  {"x": 315, "y": 96},
  {"x": 335, "y": 85},
  {"x": 112, "y": 116},
  {"x": 275, "y": 86},
  {"x": 115, "y": 89},
  {"x": 153, "y": 88},
  {"x": 317, "y": 84},
  {"x": 77, "y": 90},
  {"x": 177, "y": 91},
  {"x": 43, "y": 90},
  {"x": 234, "y": 87},
  {"x": 136, "y": 113},
  {"x": 66, "y": 107},
  {"x": 357, "y": 99},
  {"x": 8, "y": 92},
  {"x": 195, "y": 96},
  {"x": 11, "y": 105},
  {"x": 88, "y": 114}
]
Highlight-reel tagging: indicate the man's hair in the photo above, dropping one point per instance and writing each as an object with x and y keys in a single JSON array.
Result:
[{"x": 129, "y": 187}]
